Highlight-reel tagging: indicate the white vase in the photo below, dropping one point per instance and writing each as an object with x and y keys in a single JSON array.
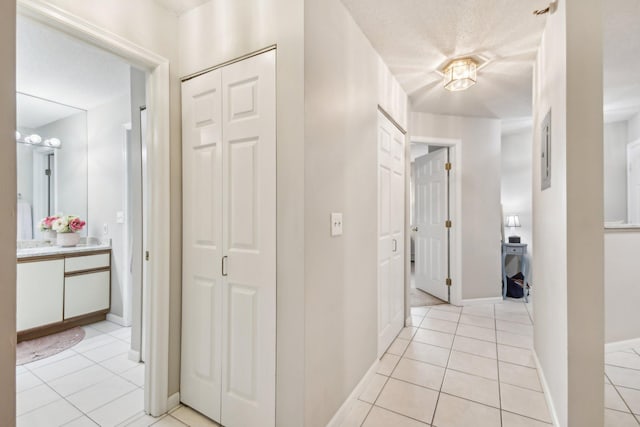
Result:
[
  {"x": 68, "y": 239},
  {"x": 50, "y": 235}
]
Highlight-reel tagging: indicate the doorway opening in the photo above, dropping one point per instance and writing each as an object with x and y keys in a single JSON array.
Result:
[
  {"x": 432, "y": 220},
  {"x": 154, "y": 69}
]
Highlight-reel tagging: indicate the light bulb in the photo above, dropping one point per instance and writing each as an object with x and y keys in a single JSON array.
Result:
[
  {"x": 53, "y": 142},
  {"x": 35, "y": 138}
]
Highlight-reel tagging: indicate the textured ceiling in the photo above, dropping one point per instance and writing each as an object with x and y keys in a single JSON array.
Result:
[
  {"x": 417, "y": 37},
  {"x": 57, "y": 67}
]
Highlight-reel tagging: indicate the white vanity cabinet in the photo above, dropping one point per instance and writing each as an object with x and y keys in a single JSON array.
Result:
[{"x": 62, "y": 290}]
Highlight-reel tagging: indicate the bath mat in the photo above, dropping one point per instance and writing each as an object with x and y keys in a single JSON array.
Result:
[{"x": 41, "y": 348}]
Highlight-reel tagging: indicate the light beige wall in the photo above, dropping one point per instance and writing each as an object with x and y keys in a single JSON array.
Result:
[
  {"x": 345, "y": 81},
  {"x": 480, "y": 225},
  {"x": 568, "y": 217},
  {"x": 222, "y": 30},
  {"x": 153, "y": 27},
  {"x": 621, "y": 290},
  {"x": 550, "y": 215},
  {"x": 341, "y": 82},
  {"x": 8, "y": 214},
  {"x": 516, "y": 186}
]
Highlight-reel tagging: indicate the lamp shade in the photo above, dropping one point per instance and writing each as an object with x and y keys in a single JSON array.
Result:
[
  {"x": 512, "y": 221},
  {"x": 460, "y": 74}
]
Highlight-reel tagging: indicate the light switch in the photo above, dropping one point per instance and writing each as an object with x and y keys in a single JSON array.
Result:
[
  {"x": 105, "y": 229},
  {"x": 336, "y": 224},
  {"x": 120, "y": 217}
]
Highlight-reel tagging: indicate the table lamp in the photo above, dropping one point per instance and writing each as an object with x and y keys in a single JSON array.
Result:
[{"x": 513, "y": 221}]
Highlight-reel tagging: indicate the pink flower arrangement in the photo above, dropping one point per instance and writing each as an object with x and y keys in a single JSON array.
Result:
[
  {"x": 68, "y": 224},
  {"x": 76, "y": 224},
  {"x": 47, "y": 223}
]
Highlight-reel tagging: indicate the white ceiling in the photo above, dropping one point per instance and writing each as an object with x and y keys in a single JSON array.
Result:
[
  {"x": 180, "y": 6},
  {"x": 33, "y": 112},
  {"x": 57, "y": 67},
  {"x": 417, "y": 37}
]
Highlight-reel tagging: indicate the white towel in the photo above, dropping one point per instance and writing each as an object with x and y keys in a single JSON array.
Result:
[{"x": 25, "y": 221}]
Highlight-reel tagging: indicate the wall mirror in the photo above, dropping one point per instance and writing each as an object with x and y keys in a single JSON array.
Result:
[{"x": 51, "y": 146}]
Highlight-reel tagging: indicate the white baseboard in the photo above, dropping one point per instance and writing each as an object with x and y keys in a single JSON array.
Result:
[
  {"x": 134, "y": 356},
  {"x": 344, "y": 410},
  {"x": 621, "y": 345},
  {"x": 173, "y": 401},
  {"x": 545, "y": 389},
  {"x": 478, "y": 301},
  {"x": 117, "y": 320}
]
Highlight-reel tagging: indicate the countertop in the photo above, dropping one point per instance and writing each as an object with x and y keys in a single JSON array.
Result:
[{"x": 44, "y": 250}]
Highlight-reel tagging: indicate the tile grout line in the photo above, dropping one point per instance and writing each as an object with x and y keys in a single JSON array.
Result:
[
  {"x": 94, "y": 363},
  {"x": 615, "y": 387},
  {"x": 435, "y": 408},
  {"x": 390, "y": 373},
  {"x": 498, "y": 370}
]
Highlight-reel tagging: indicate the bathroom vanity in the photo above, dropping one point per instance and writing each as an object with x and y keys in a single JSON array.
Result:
[{"x": 60, "y": 288}]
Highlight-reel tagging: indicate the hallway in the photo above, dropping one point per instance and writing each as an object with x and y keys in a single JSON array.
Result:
[{"x": 457, "y": 367}]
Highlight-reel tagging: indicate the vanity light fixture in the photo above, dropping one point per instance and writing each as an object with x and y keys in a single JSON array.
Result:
[
  {"x": 460, "y": 74},
  {"x": 35, "y": 139}
]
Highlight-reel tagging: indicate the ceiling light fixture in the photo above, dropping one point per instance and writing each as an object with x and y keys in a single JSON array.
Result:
[{"x": 460, "y": 74}]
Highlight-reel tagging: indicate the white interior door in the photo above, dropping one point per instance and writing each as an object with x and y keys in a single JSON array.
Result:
[
  {"x": 431, "y": 245},
  {"x": 229, "y": 243},
  {"x": 390, "y": 232},
  {"x": 201, "y": 364},
  {"x": 633, "y": 182}
]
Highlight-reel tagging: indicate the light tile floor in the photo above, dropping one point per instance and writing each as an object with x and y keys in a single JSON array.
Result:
[
  {"x": 454, "y": 367},
  {"x": 458, "y": 367},
  {"x": 92, "y": 384},
  {"x": 622, "y": 388}
]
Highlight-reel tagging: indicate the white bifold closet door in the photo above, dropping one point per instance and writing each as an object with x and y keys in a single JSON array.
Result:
[
  {"x": 390, "y": 232},
  {"x": 229, "y": 243}
]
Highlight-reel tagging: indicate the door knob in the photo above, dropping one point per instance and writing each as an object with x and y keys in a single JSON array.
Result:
[{"x": 414, "y": 229}]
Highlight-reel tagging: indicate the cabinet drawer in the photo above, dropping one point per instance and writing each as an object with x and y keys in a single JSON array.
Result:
[
  {"x": 86, "y": 293},
  {"x": 88, "y": 262},
  {"x": 510, "y": 250}
]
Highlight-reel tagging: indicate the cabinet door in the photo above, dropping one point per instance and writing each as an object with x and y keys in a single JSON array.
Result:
[
  {"x": 39, "y": 293},
  {"x": 86, "y": 293}
]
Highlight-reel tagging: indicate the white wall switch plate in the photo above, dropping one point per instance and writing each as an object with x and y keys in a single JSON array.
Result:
[
  {"x": 336, "y": 224},
  {"x": 120, "y": 217}
]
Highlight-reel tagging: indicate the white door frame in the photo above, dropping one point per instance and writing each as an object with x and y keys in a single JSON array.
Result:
[
  {"x": 630, "y": 146},
  {"x": 156, "y": 306},
  {"x": 455, "y": 201}
]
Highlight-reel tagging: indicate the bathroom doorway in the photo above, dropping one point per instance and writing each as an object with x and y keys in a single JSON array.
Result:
[{"x": 109, "y": 344}]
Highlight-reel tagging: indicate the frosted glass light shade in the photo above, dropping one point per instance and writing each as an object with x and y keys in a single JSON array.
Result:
[
  {"x": 460, "y": 74},
  {"x": 513, "y": 221},
  {"x": 33, "y": 139},
  {"x": 53, "y": 142}
]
